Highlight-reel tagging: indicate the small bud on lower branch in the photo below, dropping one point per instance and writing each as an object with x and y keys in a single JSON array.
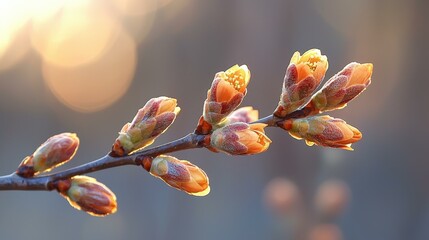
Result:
[
  {"x": 303, "y": 76},
  {"x": 180, "y": 174},
  {"x": 86, "y": 194},
  {"x": 343, "y": 87},
  {"x": 56, "y": 151},
  {"x": 323, "y": 131},
  {"x": 150, "y": 122},
  {"x": 226, "y": 93},
  {"x": 240, "y": 139}
]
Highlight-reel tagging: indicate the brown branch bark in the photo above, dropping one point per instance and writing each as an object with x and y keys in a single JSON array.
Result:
[{"x": 47, "y": 181}]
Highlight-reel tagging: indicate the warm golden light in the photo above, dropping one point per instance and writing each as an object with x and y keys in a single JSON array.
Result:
[
  {"x": 13, "y": 52},
  {"x": 88, "y": 47},
  {"x": 138, "y": 7},
  {"x": 94, "y": 86},
  {"x": 13, "y": 18},
  {"x": 138, "y": 26},
  {"x": 77, "y": 35}
]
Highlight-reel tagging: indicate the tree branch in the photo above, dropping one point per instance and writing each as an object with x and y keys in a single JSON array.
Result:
[
  {"x": 273, "y": 120},
  {"x": 47, "y": 181}
]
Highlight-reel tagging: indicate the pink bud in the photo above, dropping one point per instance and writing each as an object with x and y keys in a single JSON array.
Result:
[
  {"x": 56, "y": 151},
  {"x": 343, "y": 87},
  {"x": 240, "y": 139},
  {"x": 323, "y": 131},
  {"x": 86, "y": 194},
  {"x": 150, "y": 122},
  {"x": 180, "y": 174}
]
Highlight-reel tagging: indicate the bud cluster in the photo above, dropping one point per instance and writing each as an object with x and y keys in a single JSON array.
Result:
[
  {"x": 83, "y": 193},
  {"x": 231, "y": 130},
  {"x": 303, "y": 76},
  {"x": 221, "y": 128}
]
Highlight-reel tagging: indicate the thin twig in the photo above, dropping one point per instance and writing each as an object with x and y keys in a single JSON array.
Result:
[{"x": 46, "y": 182}]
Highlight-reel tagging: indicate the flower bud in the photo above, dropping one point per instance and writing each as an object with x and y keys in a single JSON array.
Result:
[
  {"x": 226, "y": 93},
  {"x": 303, "y": 76},
  {"x": 150, "y": 122},
  {"x": 244, "y": 114},
  {"x": 343, "y": 87},
  {"x": 240, "y": 139},
  {"x": 180, "y": 174},
  {"x": 56, "y": 151},
  {"x": 86, "y": 194},
  {"x": 323, "y": 131}
]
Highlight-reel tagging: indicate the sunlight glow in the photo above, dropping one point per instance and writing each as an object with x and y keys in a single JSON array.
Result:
[
  {"x": 94, "y": 86},
  {"x": 88, "y": 48},
  {"x": 15, "y": 51},
  {"x": 138, "y": 7},
  {"x": 12, "y": 19},
  {"x": 77, "y": 36}
]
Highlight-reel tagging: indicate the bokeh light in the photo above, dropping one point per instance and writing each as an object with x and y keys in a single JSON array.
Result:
[
  {"x": 325, "y": 232},
  {"x": 87, "y": 47},
  {"x": 138, "y": 7},
  {"x": 332, "y": 197},
  {"x": 17, "y": 48},
  {"x": 96, "y": 85},
  {"x": 193, "y": 39},
  {"x": 138, "y": 26},
  {"x": 281, "y": 195},
  {"x": 13, "y": 20},
  {"x": 77, "y": 34}
]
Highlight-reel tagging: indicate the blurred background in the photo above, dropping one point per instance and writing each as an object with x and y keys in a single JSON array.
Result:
[{"x": 87, "y": 66}]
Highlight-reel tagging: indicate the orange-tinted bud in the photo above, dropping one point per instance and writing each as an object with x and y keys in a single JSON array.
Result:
[
  {"x": 343, "y": 87},
  {"x": 303, "y": 76},
  {"x": 244, "y": 114},
  {"x": 323, "y": 131},
  {"x": 180, "y": 174},
  {"x": 86, "y": 194},
  {"x": 150, "y": 122},
  {"x": 226, "y": 93},
  {"x": 56, "y": 151},
  {"x": 240, "y": 139}
]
